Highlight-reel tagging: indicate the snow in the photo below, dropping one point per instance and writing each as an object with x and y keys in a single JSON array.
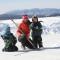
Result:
[{"x": 51, "y": 42}]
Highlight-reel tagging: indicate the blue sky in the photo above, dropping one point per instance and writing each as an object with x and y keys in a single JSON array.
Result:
[{"x": 9, "y": 5}]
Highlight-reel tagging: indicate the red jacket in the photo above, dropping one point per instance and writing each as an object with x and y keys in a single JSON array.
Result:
[{"x": 24, "y": 27}]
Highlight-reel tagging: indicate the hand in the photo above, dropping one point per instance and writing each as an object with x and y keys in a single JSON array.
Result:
[{"x": 20, "y": 37}]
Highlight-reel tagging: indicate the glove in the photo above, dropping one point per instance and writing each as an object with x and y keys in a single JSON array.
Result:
[{"x": 20, "y": 37}]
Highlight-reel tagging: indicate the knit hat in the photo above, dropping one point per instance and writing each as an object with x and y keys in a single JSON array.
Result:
[{"x": 25, "y": 17}]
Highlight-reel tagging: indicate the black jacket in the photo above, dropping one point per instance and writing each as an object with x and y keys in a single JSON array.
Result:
[{"x": 36, "y": 29}]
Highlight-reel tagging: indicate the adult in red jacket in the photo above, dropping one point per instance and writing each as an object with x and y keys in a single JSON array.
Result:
[{"x": 23, "y": 32}]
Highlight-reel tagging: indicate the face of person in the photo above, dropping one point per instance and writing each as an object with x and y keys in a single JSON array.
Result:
[
  {"x": 25, "y": 20},
  {"x": 35, "y": 20}
]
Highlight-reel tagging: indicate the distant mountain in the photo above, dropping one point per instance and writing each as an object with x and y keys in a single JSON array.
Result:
[{"x": 16, "y": 14}]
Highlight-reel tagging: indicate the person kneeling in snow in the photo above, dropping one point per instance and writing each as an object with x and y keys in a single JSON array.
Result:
[
  {"x": 9, "y": 40},
  {"x": 23, "y": 33}
]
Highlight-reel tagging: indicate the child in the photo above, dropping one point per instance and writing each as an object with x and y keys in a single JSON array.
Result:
[
  {"x": 9, "y": 40},
  {"x": 36, "y": 28}
]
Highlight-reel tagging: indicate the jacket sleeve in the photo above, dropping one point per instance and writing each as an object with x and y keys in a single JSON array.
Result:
[
  {"x": 40, "y": 27},
  {"x": 19, "y": 30}
]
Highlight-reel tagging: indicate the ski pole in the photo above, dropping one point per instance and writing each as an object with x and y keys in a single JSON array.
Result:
[
  {"x": 15, "y": 24},
  {"x": 22, "y": 32}
]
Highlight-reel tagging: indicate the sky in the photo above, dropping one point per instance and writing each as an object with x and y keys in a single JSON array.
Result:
[{"x": 9, "y": 5}]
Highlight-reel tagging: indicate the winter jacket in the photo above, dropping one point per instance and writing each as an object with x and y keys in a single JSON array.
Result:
[
  {"x": 24, "y": 27},
  {"x": 36, "y": 29}
]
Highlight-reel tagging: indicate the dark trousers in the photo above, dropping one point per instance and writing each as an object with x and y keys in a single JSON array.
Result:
[
  {"x": 26, "y": 43},
  {"x": 37, "y": 40}
]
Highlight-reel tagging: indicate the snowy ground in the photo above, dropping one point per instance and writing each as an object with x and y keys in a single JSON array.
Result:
[{"x": 51, "y": 42}]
